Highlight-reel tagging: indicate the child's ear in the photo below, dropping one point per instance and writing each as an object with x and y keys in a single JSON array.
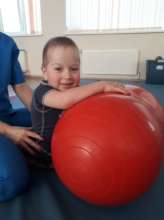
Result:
[{"x": 44, "y": 73}]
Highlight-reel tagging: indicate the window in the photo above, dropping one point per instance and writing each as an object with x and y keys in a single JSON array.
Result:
[
  {"x": 114, "y": 15},
  {"x": 20, "y": 17}
]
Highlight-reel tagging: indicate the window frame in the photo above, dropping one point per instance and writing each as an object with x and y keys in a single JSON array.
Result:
[{"x": 23, "y": 18}]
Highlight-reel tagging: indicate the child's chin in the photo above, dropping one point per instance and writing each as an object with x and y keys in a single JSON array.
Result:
[{"x": 64, "y": 88}]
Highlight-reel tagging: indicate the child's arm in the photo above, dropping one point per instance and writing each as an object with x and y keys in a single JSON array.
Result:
[{"x": 65, "y": 99}]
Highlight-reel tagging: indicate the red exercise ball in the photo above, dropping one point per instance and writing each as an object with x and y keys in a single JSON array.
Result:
[
  {"x": 152, "y": 103},
  {"x": 107, "y": 148},
  {"x": 149, "y": 100}
]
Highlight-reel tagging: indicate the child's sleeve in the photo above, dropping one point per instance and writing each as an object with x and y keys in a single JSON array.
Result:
[{"x": 39, "y": 95}]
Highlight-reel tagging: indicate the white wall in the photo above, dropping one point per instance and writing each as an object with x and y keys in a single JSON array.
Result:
[{"x": 53, "y": 20}]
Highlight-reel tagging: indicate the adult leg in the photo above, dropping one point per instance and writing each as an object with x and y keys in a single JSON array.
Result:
[{"x": 14, "y": 176}]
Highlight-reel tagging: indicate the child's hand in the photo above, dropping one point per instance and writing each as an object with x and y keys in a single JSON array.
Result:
[{"x": 116, "y": 88}]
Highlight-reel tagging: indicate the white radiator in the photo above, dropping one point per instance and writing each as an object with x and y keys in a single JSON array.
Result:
[{"x": 113, "y": 64}]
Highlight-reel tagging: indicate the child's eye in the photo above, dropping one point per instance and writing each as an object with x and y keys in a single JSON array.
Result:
[
  {"x": 74, "y": 69},
  {"x": 58, "y": 69}
]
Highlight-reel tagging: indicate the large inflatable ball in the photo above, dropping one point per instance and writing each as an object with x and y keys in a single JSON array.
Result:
[
  {"x": 107, "y": 149},
  {"x": 152, "y": 103}
]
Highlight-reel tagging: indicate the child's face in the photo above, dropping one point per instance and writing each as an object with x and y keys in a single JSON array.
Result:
[{"x": 63, "y": 69}]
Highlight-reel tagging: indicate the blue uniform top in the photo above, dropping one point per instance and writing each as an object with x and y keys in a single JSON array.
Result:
[{"x": 10, "y": 71}]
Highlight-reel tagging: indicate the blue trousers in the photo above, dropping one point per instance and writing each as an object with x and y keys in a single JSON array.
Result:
[{"x": 14, "y": 174}]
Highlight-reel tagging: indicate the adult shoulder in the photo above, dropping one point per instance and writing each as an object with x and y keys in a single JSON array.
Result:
[{"x": 4, "y": 38}]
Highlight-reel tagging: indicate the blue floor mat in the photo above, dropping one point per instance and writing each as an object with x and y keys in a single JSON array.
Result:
[{"x": 48, "y": 199}]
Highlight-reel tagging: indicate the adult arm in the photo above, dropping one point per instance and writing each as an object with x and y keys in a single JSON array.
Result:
[
  {"x": 24, "y": 92},
  {"x": 17, "y": 79}
]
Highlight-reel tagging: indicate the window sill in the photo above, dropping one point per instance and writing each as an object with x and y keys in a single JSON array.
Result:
[
  {"x": 25, "y": 35},
  {"x": 91, "y": 32}
]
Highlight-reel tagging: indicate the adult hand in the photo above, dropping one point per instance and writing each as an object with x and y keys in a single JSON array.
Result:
[{"x": 25, "y": 138}]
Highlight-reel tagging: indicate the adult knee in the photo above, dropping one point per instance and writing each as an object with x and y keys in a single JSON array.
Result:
[{"x": 14, "y": 176}]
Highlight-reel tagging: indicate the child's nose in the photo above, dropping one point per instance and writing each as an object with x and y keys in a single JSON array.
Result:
[{"x": 66, "y": 73}]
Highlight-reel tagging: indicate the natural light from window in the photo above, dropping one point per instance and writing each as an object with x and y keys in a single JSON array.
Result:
[
  {"x": 114, "y": 15},
  {"x": 20, "y": 17}
]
